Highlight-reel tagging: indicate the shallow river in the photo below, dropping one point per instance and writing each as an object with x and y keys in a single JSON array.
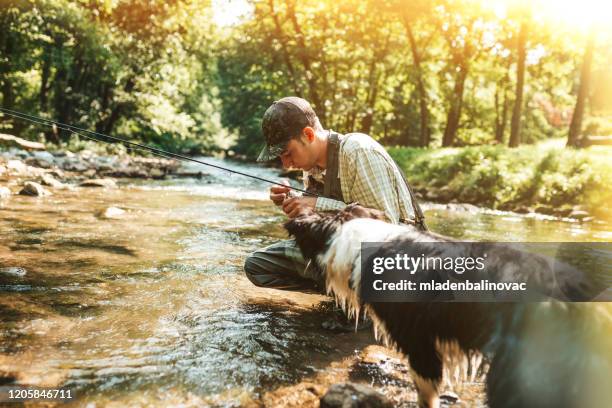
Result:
[{"x": 152, "y": 308}]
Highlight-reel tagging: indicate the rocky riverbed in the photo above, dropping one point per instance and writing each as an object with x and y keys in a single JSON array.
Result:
[{"x": 39, "y": 173}]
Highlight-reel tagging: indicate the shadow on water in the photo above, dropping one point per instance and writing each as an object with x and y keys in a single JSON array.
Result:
[{"x": 99, "y": 245}]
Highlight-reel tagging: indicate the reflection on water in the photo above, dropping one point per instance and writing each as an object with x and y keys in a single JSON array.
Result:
[{"x": 152, "y": 309}]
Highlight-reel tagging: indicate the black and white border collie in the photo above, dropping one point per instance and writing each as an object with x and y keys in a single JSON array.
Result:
[{"x": 547, "y": 354}]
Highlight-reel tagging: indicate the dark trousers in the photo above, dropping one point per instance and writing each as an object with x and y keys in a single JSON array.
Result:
[{"x": 282, "y": 266}]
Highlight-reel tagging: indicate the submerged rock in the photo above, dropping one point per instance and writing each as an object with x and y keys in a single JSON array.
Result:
[
  {"x": 349, "y": 395},
  {"x": 33, "y": 189},
  {"x": 113, "y": 212},
  {"x": 105, "y": 183}
]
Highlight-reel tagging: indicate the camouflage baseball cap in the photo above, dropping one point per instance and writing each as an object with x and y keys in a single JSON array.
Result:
[{"x": 282, "y": 121}]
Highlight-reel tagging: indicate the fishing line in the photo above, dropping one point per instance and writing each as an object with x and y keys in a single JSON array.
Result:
[{"x": 96, "y": 136}]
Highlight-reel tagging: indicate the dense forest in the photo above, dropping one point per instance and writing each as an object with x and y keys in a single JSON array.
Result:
[{"x": 410, "y": 72}]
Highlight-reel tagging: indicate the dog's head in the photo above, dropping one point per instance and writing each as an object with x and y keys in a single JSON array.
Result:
[{"x": 313, "y": 230}]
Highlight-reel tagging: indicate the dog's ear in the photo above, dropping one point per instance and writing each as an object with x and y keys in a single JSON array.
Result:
[{"x": 358, "y": 211}]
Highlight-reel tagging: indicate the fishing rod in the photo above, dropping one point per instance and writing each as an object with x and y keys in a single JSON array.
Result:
[{"x": 137, "y": 146}]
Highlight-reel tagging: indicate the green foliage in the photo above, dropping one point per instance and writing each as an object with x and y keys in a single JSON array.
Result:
[
  {"x": 163, "y": 73},
  {"x": 135, "y": 69},
  {"x": 504, "y": 178}
]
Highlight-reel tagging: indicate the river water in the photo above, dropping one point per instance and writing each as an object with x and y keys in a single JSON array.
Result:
[{"x": 152, "y": 308}]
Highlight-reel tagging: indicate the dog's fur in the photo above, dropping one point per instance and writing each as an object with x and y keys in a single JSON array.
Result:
[{"x": 548, "y": 354}]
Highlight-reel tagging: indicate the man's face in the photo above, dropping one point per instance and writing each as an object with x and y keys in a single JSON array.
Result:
[{"x": 299, "y": 154}]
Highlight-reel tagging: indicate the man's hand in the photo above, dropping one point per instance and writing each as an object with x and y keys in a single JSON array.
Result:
[
  {"x": 296, "y": 206},
  {"x": 278, "y": 194}
]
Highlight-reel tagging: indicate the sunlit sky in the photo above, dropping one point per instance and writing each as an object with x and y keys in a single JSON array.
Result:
[
  {"x": 230, "y": 12},
  {"x": 579, "y": 14}
]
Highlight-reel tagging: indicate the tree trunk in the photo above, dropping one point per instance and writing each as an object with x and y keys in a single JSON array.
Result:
[
  {"x": 515, "y": 125},
  {"x": 283, "y": 42},
  {"x": 60, "y": 102},
  {"x": 8, "y": 95},
  {"x": 575, "y": 130},
  {"x": 501, "y": 119},
  {"x": 116, "y": 112},
  {"x": 454, "y": 111},
  {"x": 44, "y": 79},
  {"x": 310, "y": 76},
  {"x": 424, "y": 130}
]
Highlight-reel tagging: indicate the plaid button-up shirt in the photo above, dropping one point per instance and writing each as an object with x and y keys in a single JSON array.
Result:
[{"x": 369, "y": 176}]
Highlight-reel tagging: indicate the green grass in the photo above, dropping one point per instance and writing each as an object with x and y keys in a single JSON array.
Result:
[{"x": 546, "y": 175}]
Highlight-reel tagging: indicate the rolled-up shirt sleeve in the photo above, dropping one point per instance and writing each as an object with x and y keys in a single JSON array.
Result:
[{"x": 328, "y": 204}]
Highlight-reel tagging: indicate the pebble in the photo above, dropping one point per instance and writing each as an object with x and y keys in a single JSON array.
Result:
[{"x": 353, "y": 395}]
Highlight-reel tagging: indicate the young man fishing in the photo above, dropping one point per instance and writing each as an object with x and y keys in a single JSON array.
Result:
[{"x": 339, "y": 169}]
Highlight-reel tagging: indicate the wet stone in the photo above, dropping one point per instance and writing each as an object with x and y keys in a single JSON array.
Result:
[
  {"x": 579, "y": 214},
  {"x": 349, "y": 395},
  {"x": 105, "y": 183},
  {"x": 13, "y": 271},
  {"x": 31, "y": 188},
  {"x": 113, "y": 212},
  {"x": 48, "y": 180},
  {"x": 449, "y": 397},
  {"x": 16, "y": 166}
]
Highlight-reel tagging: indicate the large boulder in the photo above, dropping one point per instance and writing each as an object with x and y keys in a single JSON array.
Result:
[
  {"x": 31, "y": 188},
  {"x": 105, "y": 183},
  {"x": 350, "y": 395}
]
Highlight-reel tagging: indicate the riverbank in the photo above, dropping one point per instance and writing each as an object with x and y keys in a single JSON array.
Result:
[
  {"x": 40, "y": 172},
  {"x": 545, "y": 178}
]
